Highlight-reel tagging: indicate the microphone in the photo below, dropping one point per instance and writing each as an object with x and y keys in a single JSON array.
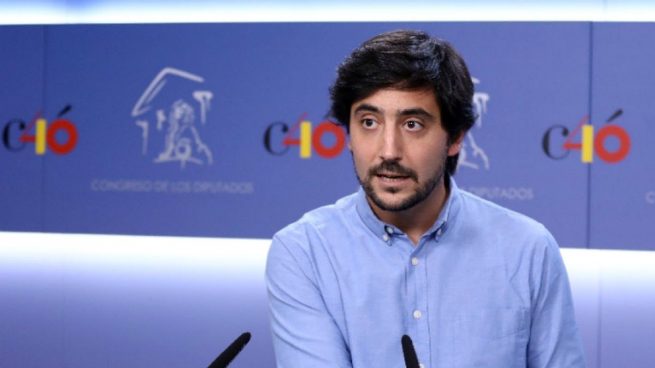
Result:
[
  {"x": 411, "y": 360},
  {"x": 231, "y": 352}
]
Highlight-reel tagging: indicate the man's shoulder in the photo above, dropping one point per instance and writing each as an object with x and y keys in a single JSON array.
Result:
[
  {"x": 490, "y": 230},
  {"x": 492, "y": 217},
  {"x": 321, "y": 219}
]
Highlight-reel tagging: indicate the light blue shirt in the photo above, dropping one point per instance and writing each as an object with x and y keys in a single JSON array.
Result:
[{"x": 484, "y": 287}]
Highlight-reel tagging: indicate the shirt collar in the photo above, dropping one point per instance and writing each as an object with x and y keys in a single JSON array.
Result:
[{"x": 381, "y": 228}]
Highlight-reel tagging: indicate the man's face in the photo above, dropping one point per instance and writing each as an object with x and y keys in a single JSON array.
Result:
[{"x": 399, "y": 147}]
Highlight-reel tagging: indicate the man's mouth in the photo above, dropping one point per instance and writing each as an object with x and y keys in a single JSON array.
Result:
[
  {"x": 392, "y": 177},
  {"x": 391, "y": 172}
]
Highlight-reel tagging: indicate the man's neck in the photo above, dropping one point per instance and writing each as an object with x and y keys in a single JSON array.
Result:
[{"x": 417, "y": 220}]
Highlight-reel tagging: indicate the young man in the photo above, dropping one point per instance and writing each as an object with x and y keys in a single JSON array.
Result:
[{"x": 473, "y": 284}]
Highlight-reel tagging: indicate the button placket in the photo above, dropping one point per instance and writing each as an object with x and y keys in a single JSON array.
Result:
[
  {"x": 387, "y": 234},
  {"x": 419, "y": 313}
]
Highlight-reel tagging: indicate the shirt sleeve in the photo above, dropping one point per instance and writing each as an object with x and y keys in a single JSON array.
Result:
[
  {"x": 554, "y": 338},
  {"x": 304, "y": 333}
]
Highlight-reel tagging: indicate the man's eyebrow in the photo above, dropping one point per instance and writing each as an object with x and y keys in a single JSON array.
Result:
[
  {"x": 367, "y": 108},
  {"x": 416, "y": 111}
]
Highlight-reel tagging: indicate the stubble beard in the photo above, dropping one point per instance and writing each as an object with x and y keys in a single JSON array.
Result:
[{"x": 420, "y": 194}]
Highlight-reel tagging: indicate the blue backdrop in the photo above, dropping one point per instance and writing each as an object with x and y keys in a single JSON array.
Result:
[{"x": 192, "y": 129}]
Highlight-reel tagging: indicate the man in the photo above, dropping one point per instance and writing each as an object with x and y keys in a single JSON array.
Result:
[{"x": 472, "y": 284}]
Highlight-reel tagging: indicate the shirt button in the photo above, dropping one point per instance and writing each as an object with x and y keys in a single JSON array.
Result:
[
  {"x": 388, "y": 229},
  {"x": 414, "y": 261},
  {"x": 417, "y": 314},
  {"x": 385, "y": 237},
  {"x": 420, "y": 365},
  {"x": 439, "y": 231}
]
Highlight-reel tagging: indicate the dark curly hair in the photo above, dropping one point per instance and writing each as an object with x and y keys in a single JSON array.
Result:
[{"x": 408, "y": 60}]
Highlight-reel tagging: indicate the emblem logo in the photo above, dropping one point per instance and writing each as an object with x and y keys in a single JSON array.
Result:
[
  {"x": 611, "y": 143},
  {"x": 60, "y": 136},
  {"x": 171, "y": 113},
  {"x": 471, "y": 154},
  {"x": 327, "y": 139}
]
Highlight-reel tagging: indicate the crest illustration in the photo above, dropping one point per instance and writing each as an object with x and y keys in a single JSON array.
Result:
[
  {"x": 471, "y": 154},
  {"x": 171, "y": 113}
]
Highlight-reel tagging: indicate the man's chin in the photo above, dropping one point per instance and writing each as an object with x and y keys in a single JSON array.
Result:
[{"x": 389, "y": 201}]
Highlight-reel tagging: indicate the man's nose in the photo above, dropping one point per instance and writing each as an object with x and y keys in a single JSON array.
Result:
[{"x": 391, "y": 145}]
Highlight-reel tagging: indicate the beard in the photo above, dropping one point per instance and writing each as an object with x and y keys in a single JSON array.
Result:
[{"x": 393, "y": 166}]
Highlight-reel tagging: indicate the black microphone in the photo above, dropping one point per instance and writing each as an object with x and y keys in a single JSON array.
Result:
[
  {"x": 411, "y": 360},
  {"x": 231, "y": 352}
]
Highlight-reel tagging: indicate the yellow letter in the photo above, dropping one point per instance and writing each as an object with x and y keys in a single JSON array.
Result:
[
  {"x": 305, "y": 139},
  {"x": 40, "y": 139},
  {"x": 587, "y": 151}
]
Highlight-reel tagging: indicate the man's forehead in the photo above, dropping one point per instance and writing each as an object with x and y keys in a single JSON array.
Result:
[{"x": 398, "y": 101}]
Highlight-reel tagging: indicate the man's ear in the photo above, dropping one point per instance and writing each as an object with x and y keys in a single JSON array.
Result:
[{"x": 456, "y": 146}]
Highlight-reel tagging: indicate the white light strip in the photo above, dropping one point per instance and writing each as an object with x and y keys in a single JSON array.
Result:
[
  {"x": 248, "y": 254},
  {"x": 158, "y": 254},
  {"x": 631, "y": 269},
  {"x": 610, "y": 258},
  {"x": 201, "y": 12}
]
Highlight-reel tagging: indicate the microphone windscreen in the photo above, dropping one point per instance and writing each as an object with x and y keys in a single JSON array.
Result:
[
  {"x": 411, "y": 360},
  {"x": 231, "y": 352}
]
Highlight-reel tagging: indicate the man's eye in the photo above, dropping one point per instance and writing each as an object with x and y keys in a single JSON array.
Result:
[
  {"x": 413, "y": 125},
  {"x": 369, "y": 123}
]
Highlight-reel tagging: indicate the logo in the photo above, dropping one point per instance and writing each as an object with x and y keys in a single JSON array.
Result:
[
  {"x": 60, "y": 136},
  {"x": 168, "y": 113},
  {"x": 327, "y": 139},
  {"x": 611, "y": 143},
  {"x": 471, "y": 155}
]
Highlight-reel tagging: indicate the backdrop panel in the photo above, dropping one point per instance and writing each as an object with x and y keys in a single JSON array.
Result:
[
  {"x": 623, "y": 186},
  {"x": 174, "y": 121},
  {"x": 184, "y": 126},
  {"x": 221, "y": 129},
  {"x": 21, "y": 100},
  {"x": 530, "y": 79}
]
